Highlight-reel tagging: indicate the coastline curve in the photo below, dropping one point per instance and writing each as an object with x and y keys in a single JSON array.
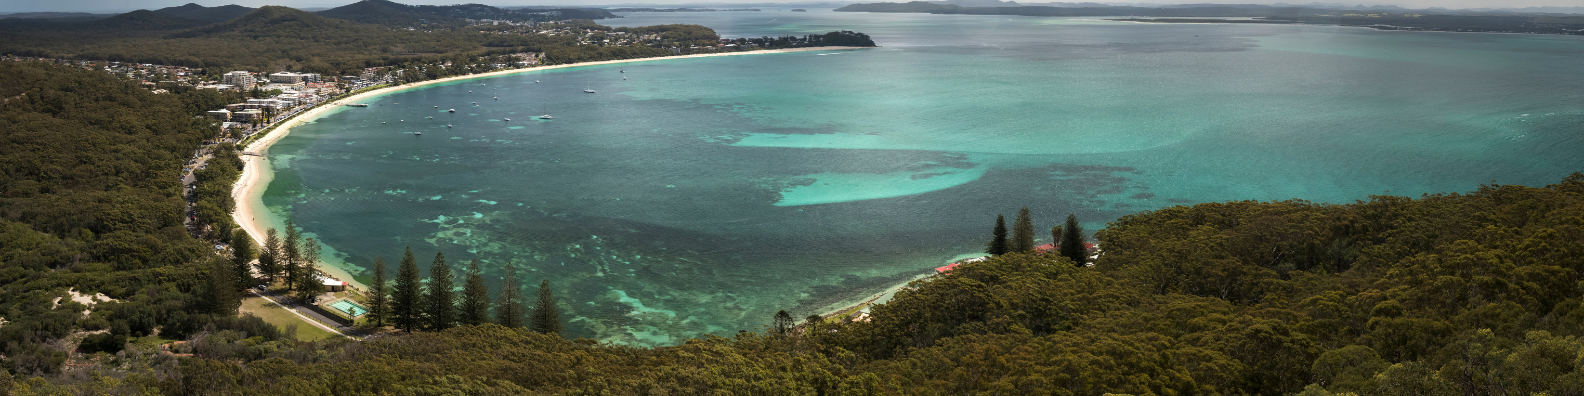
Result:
[{"x": 248, "y": 192}]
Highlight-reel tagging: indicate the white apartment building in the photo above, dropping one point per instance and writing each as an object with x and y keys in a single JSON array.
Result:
[{"x": 241, "y": 79}]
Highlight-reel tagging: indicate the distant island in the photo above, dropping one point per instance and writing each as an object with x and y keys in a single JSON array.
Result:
[
  {"x": 683, "y": 9},
  {"x": 799, "y": 10},
  {"x": 1397, "y": 19},
  {"x": 1413, "y": 22}
]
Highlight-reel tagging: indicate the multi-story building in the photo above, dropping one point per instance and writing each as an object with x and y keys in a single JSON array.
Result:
[
  {"x": 293, "y": 78},
  {"x": 285, "y": 78},
  {"x": 241, "y": 79},
  {"x": 275, "y": 103},
  {"x": 220, "y": 115},
  {"x": 246, "y": 115}
]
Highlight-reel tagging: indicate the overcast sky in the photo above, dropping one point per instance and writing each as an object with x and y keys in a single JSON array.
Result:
[{"x": 106, "y": 6}]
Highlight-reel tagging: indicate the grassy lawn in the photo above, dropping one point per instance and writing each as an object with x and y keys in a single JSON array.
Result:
[
  {"x": 280, "y": 317},
  {"x": 837, "y": 318}
]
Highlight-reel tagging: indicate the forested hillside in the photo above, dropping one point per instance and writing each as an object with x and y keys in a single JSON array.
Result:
[
  {"x": 1450, "y": 294},
  {"x": 269, "y": 38},
  {"x": 90, "y": 200},
  {"x": 197, "y": 12},
  {"x": 387, "y": 13}
]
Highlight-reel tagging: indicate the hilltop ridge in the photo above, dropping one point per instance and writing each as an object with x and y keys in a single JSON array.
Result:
[
  {"x": 388, "y": 13},
  {"x": 197, "y": 12},
  {"x": 279, "y": 21}
]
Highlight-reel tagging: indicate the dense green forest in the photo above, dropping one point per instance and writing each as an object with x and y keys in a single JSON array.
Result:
[
  {"x": 197, "y": 12},
  {"x": 274, "y": 38},
  {"x": 271, "y": 38},
  {"x": 383, "y": 12},
  {"x": 91, "y": 201}
]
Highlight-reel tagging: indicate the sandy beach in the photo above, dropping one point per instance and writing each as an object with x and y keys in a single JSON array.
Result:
[{"x": 250, "y": 213}]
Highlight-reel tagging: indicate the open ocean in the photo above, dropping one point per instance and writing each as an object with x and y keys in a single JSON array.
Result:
[{"x": 695, "y": 196}]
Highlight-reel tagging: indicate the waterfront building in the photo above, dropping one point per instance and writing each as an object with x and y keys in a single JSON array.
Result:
[{"x": 247, "y": 115}]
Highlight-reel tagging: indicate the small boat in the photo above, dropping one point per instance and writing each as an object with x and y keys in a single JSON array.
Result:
[
  {"x": 588, "y": 90},
  {"x": 545, "y": 117},
  {"x": 536, "y": 81},
  {"x": 431, "y": 117},
  {"x": 452, "y": 110},
  {"x": 497, "y": 98},
  {"x": 382, "y": 122},
  {"x": 508, "y": 119},
  {"x": 448, "y": 125},
  {"x": 417, "y": 133},
  {"x": 437, "y": 107}
]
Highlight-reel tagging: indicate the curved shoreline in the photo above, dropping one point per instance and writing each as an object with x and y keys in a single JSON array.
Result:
[{"x": 256, "y": 175}]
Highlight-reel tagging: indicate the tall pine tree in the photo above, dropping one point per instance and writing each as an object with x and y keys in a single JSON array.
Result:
[
  {"x": 1056, "y": 235},
  {"x": 546, "y": 317},
  {"x": 782, "y": 322},
  {"x": 1022, "y": 233},
  {"x": 439, "y": 302},
  {"x": 998, "y": 240},
  {"x": 222, "y": 297},
  {"x": 308, "y": 282},
  {"x": 509, "y": 311},
  {"x": 406, "y": 296},
  {"x": 242, "y": 259},
  {"x": 1072, "y": 242},
  {"x": 475, "y": 298},
  {"x": 291, "y": 255},
  {"x": 269, "y": 256},
  {"x": 379, "y": 297}
]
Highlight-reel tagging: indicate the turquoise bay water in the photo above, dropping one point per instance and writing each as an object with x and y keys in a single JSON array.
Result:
[{"x": 693, "y": 196}]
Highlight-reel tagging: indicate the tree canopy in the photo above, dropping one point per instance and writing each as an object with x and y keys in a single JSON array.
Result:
[{"x": 1381, "y": 296}]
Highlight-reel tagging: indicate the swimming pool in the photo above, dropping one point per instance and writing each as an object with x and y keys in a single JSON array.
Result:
[{"x": 351, "y": 308}]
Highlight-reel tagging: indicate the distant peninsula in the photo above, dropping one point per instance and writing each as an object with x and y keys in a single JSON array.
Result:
[
  {"x": 683, "y": 9},
  {"x": 911, "y": 7},
  {"x": 1412, "y": 22},
  {"x": 1395, "y": 19}
]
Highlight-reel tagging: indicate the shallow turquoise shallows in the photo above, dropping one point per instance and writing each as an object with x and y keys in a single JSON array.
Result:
[{"x": 694, "y": 196}]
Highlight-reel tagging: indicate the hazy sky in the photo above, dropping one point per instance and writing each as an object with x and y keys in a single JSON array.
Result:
[{"x": 104, "y": 6}]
